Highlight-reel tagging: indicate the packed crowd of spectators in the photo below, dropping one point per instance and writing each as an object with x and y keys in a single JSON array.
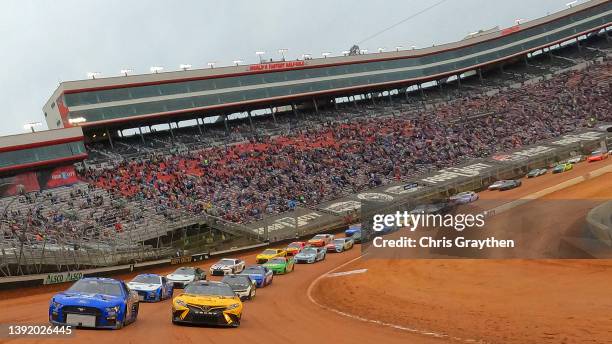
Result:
[
  {"x": 65, "y": 215},
  {"x": 269, "y": 174}
]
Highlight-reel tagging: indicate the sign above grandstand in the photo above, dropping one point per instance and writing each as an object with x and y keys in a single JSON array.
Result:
[{"x": 275, "y": 66}]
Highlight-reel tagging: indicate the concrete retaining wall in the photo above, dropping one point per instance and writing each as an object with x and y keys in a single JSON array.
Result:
[{"x": 599, "y": 222}]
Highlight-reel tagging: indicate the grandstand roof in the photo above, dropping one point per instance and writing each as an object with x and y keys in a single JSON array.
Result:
[{"x": 104, "y": 101}]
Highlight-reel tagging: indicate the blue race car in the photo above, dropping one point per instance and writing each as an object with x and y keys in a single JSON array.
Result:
[
  {"x": 151, "y": 287},
  {"x": 260, "y": 274},
  {"x": 352, "y": 230},
  {"x": 95, "y": 302}
]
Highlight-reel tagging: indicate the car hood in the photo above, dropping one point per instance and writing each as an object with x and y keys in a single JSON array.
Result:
[
  {"x": 143, "y": 286},
  {"x": 204, "y": 300},
  {"x": 180, "y": 277},
  {"x": 68, "y": 298},
  {"x": 271, "y": 266},
  {"x": 220, "y": 267}
]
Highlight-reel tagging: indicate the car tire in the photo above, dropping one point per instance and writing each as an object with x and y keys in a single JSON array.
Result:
[{"x": 252, "y": 294}]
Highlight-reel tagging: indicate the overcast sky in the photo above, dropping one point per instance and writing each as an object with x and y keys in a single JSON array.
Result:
[{"x": 45, "y": 42}]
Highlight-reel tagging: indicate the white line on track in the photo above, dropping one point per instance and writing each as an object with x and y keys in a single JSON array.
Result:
[
  {"x": 378, "y": 322},
  {"x": 344, "y": 273}
]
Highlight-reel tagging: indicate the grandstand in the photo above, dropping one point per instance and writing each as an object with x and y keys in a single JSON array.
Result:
[{"x": 244, "y": 147}]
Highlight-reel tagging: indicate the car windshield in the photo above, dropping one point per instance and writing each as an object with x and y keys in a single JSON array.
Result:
[
  {"x": 268, "y": 252},
  {"x": 253, "y": 270},
  {"x": 185, "y": 271},
  {"x": 217, "y": 289},
  {"x": 146, "y": 279},
  {"x": 295, "y": 245},
  {"x": 277, "y": 261},
  {"x": 226, "y": 262},
  {"x": 319, "y": 236},
  {"x": 310, "y": 250},
  {"x": 112, "y": 288},
  {"x": 339, "y": 241},
  {"x": 237, "y": 281}
]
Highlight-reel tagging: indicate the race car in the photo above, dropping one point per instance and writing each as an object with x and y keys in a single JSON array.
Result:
[
  {"x": 352, "y": 230},
  {"x": 497, "y": 185},
  {"x": 270, "y": 253},
  {"x": 464, "y": 197},
  {"x": 207, "y": 303},
  {"x": 510, "y": 184},
  {"x": 536, "y": 172},
  {"x": 340, "y": 245},
  {"x": 295, "y": 248},
  {"x": 575, "y": 159},
  {"x": 184, "y": 275},
  {"x": 151, "y": 287},
  {"x": 242, "y": 285},
  {"x": 280, "y": 265},
  {"x": 311, "y": 255},
  {"x": 260, "y": 274},
  {"x": 321, "y": 240},
  {"x": 562, "y": 167},
  {"x": 95, "y": 302},
  {"x": 227, "y": 266},
  {"x": 433, "y": 208},
  {"x": 597, "y": 155}
]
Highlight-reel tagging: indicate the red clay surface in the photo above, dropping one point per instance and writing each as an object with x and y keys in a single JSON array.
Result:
[
  {"x": 493, "y": 301},
  {"x": 496, "y": 301}
]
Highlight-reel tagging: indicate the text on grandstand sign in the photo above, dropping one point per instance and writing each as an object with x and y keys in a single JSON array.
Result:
[{"x": 275, "y": 66}]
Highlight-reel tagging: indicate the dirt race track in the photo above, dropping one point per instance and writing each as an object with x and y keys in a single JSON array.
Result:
[
  {"x": 491, "y": 301},
  {"x": 429, "y": 301}
]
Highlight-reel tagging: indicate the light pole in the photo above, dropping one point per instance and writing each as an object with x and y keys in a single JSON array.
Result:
[
  {"x": 31, "y": 126},
  {"x": 260, "y": 54},
  {"x": 93, "y": 75},
  {"x": 156, "y": 69},
  {"x": 126, "y": 71},
  {"x": 283, "y": 51}
]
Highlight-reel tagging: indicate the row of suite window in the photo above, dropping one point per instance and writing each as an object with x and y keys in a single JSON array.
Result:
[
  {"x": 94, "y": 97},
  {"x": 38, "y": 154},
  {"x": 114, "y": 112}
]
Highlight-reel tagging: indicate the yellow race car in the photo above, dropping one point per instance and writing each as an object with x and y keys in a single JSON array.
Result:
[
  {"x": 270, "y": 253},
  {"x": 207, "y": 303}
]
